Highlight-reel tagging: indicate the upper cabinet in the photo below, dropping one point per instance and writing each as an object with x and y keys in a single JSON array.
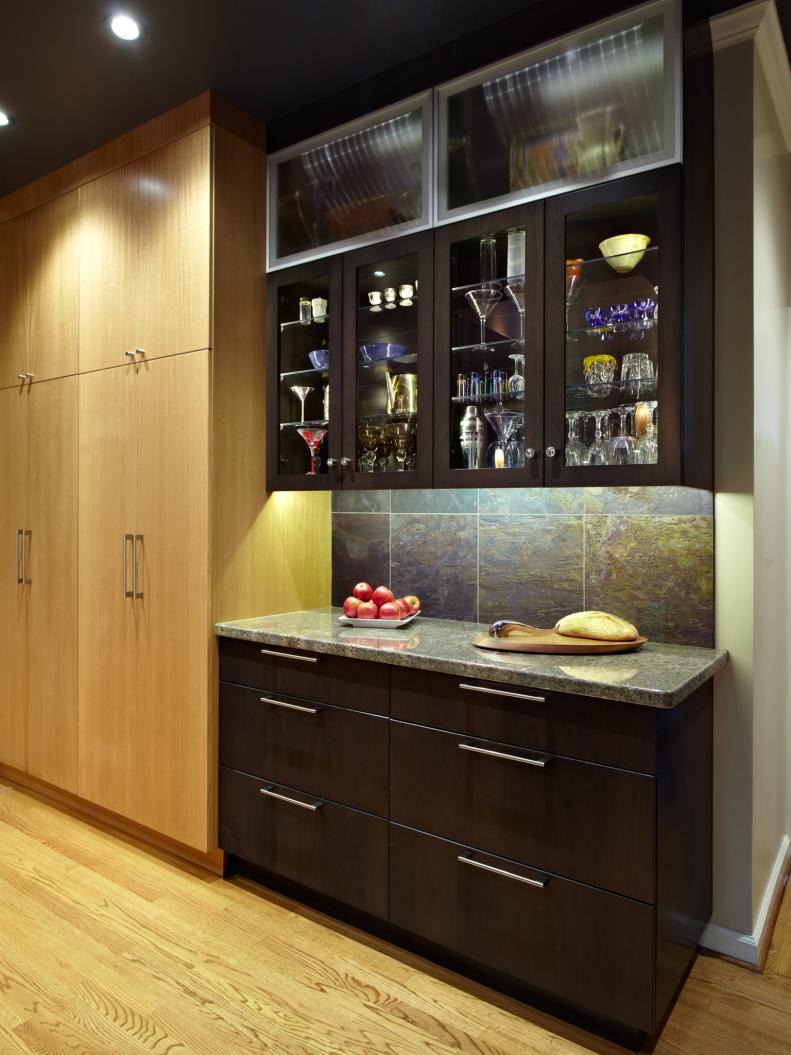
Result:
[
  {"x": 588, "y": 107},
  {"x": 145, "y": 236},
  {"x": 361, "y": 182}
]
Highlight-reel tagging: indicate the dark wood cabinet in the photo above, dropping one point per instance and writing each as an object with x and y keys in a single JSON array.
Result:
[{"x": 555, "y": 845}]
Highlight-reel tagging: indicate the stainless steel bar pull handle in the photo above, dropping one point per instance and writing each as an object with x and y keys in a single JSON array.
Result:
[
  {"x": 272, "y": 794},
  {"x": 290, "y": 706},
  {"x": 468, "y": 859},
  {"x": 19, "y": 576},
  {"x": 126, "y": 591},
  {"x": 26, "y": 534},
  {"x": 137, "y": 592},
  {"x": 502, "y": 692},
  {"x": 539, "y": 760},
  {"x": 289, "y": 655}
]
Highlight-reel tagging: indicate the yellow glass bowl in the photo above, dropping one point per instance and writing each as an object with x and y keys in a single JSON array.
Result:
[{"x": 623, "y": 252}]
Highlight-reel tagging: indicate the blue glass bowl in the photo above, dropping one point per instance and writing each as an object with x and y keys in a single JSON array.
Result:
[
  {"x": 377, "y": 353},
  {"x": 320, "y": 358}
]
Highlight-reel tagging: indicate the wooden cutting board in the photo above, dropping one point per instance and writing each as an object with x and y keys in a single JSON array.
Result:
[{"x": 534, "y": 639}]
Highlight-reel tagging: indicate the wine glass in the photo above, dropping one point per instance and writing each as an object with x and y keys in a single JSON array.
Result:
[
  {"x": 598, "y": 453},
  {"x": 622, "y": 445},
  {"x": 369, "y": 437},
  {"x": 384, "y": 448},
  {"x": 313, "y": 438},
  {"x": 576, "y": 450},
  {"x": 302, "y": 392},
  {"x": 402, "y": 433},
  {"x": 516, "y": 291},
  {"x": 647, "y": 447}
]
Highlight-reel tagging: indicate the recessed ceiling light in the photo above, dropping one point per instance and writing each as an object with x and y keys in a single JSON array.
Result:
[
  {"x": 379, "y": 274},
  {"x": 125, "y": 27},
  {"x": 4, "y": 119}
]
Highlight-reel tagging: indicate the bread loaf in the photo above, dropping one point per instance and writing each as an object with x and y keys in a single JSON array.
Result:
[{"x": 600, "y": 626}]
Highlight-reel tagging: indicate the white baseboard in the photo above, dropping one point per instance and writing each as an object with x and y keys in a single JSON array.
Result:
[{"x": 747, "y": 947}]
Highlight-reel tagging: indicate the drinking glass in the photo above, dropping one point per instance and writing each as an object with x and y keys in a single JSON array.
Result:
[
  {"x": 597, "y": 321},
  {"x": 516, "y": 382},
  {"x": 641, "y": 312},
  {"x": 622, "y": 445},
  {"x": 599, "y": 373},
  {"x": 647, "y": 447},
  {"x": 575, "y": 280},
  {"x": 313, "y": 438},
  {"x": 368, "y": 437},
  {"x": 505, "y": 423},
  {"x": 598, "y": 453},
  {"x": 638, "y": 377},
  {"x": 619, "y": 317},
  {"x": 403, "y": 437},
  {"x": 302, "y": 392},
  {"x": 384, "y": 448},
  {"x": 576, "y": 450}
]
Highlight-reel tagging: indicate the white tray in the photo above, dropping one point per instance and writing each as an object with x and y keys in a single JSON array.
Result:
[{"x": 378, "y": 624}]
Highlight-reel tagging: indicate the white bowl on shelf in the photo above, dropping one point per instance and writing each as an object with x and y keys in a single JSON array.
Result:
[{"x": 623, "y": 252}]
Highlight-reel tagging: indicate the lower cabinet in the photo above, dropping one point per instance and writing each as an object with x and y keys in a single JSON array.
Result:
[{"x": 581, "y": 880}]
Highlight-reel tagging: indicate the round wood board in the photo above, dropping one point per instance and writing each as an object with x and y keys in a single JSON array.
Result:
[{"x": 551, "y": 642}]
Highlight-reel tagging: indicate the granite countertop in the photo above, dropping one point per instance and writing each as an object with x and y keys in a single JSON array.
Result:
[{"x": 655, "y": 676}]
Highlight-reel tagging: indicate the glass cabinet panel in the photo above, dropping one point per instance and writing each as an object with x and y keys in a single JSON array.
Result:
[
  {"x": 489, "y": 401},
  {"x": 301, "y": 390},
  {"x": 591, "y": 106},
  {"x": 387, "y": 380},
  {"x": 352, "y": 185}
]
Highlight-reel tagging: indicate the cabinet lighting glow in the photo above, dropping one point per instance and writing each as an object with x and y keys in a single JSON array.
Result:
[
  {"x": 379, "y": 274},
  {"x": 125, "y": 27},
  {"x": 4, "y": 119}
]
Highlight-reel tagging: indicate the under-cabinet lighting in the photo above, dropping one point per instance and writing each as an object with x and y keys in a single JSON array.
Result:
[
  {"x": 125, "y": 27},
  {"x": 379, "y": 274}
]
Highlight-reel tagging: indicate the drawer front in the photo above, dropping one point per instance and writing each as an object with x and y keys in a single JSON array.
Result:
[
  {"x": 306, "y": 675},
  {"x": 331, "y": 849},
  {"x": 583, "y": 945},
  {"x": 616, "y": 734},
  {"x": 326, "y": 751},
  {"x": 584, "y": 821}
]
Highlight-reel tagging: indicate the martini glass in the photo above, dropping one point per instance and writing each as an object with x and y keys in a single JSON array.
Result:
[
  {"x": 483, "y": 301},
  {"x": 505, "y": 423},
  {"x": 516, "y": 291},
  {"x": 302, "y": 392},
  {"x": 313, "y": 438}
]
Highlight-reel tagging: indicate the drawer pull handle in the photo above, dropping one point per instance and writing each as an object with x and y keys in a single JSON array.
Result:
[
  {"x": 502, "y": 692},
  {"x": 290, "y": 706},
  {"x": 272, "y": 794},
  {"x": 467, "y": 859},
  {"x": 540, "y": 761},
  {"x": 289, "y": 655}
]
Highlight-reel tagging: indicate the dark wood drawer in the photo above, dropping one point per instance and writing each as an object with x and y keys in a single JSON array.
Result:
[
  {"x": 306, "y": 675},
  {"x": 327, "y": 751},
  {"x": 331, "y": 849},
  {"x": 583, "y": 945},
  {"x": 584, "y": 821},
  {"x": 617, "y": 734}
]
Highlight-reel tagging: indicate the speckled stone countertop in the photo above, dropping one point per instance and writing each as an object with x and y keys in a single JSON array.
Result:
[{"x": 655, "y": 676}]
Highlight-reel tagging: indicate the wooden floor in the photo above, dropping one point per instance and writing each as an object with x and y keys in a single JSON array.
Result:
[{"x": 109, "y": 948}]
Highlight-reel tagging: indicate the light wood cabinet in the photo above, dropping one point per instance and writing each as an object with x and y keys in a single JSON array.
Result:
[
  {"x": 13, "y": 306},
  {"x": 145, "y": 232}
]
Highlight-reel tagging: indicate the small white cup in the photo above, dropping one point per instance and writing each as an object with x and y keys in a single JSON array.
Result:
[
  {"x": 375, "y": 297},
  {"x": 405, "y": 293},
  {"x": 390, "y": 297},
  {"x": 319, "y": 306}
]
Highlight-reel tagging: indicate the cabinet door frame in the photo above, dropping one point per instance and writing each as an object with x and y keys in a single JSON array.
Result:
[
  {"x": 331, "y": 480},
  {"x": 665, "y": 183},
  {"x": 422, "y": 244},
  {"x": 531, "y": 216}
]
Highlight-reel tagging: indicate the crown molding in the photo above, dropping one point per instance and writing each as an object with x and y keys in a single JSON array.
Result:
[{"x": 759, "y": 23}]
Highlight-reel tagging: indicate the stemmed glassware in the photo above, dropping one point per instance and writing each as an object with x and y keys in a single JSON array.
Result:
[
  {"x": 598, "y": 453},
  {"x": 384, "y": 448},
  {"x": 484, "y": 299},
  {"x": 576, "y": 450},
  {"x": 622, "y": 445},
  {"x": 516, "y": 382},
  {"x": 369, "y": 437},
  {"x": 403, "y": 435},
  {"x": 575, "y": 280},
  {"x": 313, "y": 438},
  {"x": 516, "y": 291},
  {"x": 505, "y": 423},
  {"x": 302, "y": 392},
  {"x": 647, "y": 446}
]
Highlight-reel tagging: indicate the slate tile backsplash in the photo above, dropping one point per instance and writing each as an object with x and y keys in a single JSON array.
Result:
[{"x": 535, "y": 554}]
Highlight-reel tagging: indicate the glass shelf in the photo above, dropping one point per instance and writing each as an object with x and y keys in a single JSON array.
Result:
[
  {"x": 489, "y": 346},
  {"x": 305, "y": 325},
  {"x": 500, "y": 283},
  {"x": 383, "y": 307},
  {"x": 468, "y": 401},
  {"x": 304, "y": 424},
  {"x": 314, "y": 371},
  {"x": 403, "y": 360},
  {"x": 648, "y": 252}
]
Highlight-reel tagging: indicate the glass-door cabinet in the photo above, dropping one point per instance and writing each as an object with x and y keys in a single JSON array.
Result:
[
  {"x": 387, "y": 364},
  {"x": 304, "y": 377},
  {"x": 613, "y": 341},
  {"x": 489, "y": 353}
]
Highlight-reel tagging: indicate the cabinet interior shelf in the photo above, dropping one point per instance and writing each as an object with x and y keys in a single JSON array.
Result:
[
  {"x": 484, "y": 348},
  {"x": 296, "y": 322},
  {"x": 498, "y": 283},
  {"x": 467, "y": 401},
  {"x": 404, "y": 360},
  {"x": 304, "y": 424},
  {"x": 385, "y": 307},
  {"x": 320, "y": 371}
]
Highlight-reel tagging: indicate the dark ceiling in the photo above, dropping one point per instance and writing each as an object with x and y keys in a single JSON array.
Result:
[{"x": 71, "y": 85}]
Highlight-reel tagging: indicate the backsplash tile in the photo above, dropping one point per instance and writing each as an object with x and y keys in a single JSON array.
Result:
[
  {"x": 531, "y": 568},
  {"x": 646, "y": 553},
  {"x": 436, "y": 557}
]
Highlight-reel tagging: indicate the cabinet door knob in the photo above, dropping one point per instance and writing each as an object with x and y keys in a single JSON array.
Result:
[
  {"x": 346, "y": 461},
  {"x": 332, "y": 462},
  {"x": 130, "y": 354},
  {"x": 530, "y": 452},
  {"x": 551, "y": 452}
]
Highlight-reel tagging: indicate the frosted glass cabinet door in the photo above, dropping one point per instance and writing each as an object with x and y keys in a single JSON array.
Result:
[
  {"x": 597, "y": 104},
  {"x": 352, "y": 186}
]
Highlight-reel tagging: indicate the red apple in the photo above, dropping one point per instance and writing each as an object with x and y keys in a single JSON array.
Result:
[
  {"x": 413, "y": 602},
  {"x": 382, "y": 595},
  {"x": 368, "y": 610},
  {"x": 390, "y": 610},
  {"x": 363, "y": 591},
  {"x": 350, "y": 606},
  {"x": 405, "y": 609}
]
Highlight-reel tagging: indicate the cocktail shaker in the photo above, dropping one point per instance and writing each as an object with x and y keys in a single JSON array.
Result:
[{"x": 472, "y": 433}]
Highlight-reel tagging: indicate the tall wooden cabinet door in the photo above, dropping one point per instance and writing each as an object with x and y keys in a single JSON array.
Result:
[
  {"x": 175, "y": 243},
  {"x": 107, "y": 616},
  {"x": 13, "y": 303},
  {"x": 52, "y": 251},
  {"x": 52, "y": 570},
  {"x": 172, "y": 773},
  {"x": 13, "y": 595},
  {"x": 109, "y": 268}
]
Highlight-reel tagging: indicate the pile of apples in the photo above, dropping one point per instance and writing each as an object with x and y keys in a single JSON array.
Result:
[{"x": 380, "y": 603}]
